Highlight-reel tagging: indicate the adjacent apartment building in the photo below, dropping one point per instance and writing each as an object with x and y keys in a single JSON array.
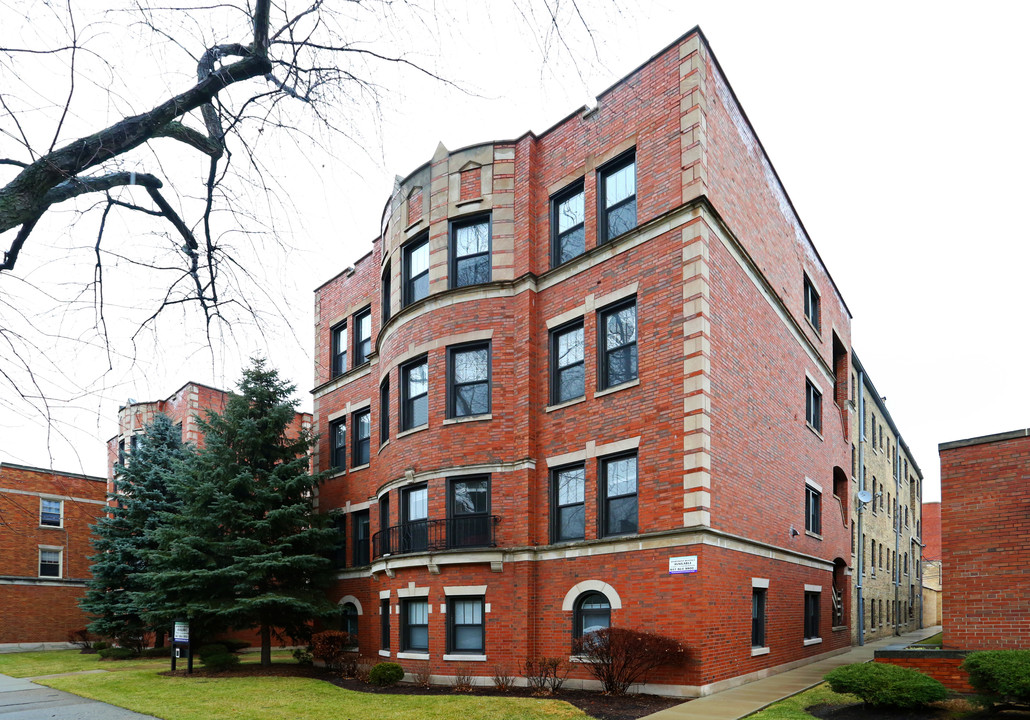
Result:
[
  {"x": 45, "y": 518},
  {"x": 985, "y": 523},
  {"x": 933, "y": 568},
  {"x": 885, "y": 542},
  {"x": 594, "y": 376}
]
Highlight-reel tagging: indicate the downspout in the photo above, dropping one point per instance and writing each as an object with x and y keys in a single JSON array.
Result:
[
  {"x": 860, "y": 540},
  {"x": 897, "y": 532}
]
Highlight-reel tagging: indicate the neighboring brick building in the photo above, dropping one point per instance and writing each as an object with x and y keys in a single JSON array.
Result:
[
  {"x": 596, "y": 375},
  {"x": 933, "y": 570},
  {"x": 184, "y": 406},
  {"x": 985, "y": 523},
  {"x": 887, "y": 536},
  {"x": 44, "y": 545}
]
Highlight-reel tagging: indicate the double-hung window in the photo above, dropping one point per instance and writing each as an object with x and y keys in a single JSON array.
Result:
[
  {"x": 813, "y": 406},
  {"x": 415, "y": 519},
  {"x": 415, "y": 625},
  {"x": 415, "y": 394},
  {"x": 618, "y": 344},
  {"x": 812, "y": 615},
  {"x": 384, "y": 411},
  {"x": 813, "y": 510},
  {"x": 758, "y": 596},
  {"x": 618, "y": 495},
  {"x": 339, "y": 359},
  {"x": 591, "y": 612},
  {"x": 362, "y": 336},
  {"x": 811, "y": 303},
  {"x": 362, "y": 422},
  {"x": 338, "y": 444},
  {"x": 49, "y": 563},
  {"x": 465, "y": 626},
  {"x": 385, "y": 297},
  {"x": 468, "y": 372},
  {"x": 50, "y": 512},
  {"x": 617, "y": 197},
  {"x": 568, "y": 236},
  {"x": 470, "y": 252},
  {"x": 469, "y": 506},
  {"x": 384, "y": 624},
  {"x": 360, "y": 527},
  {"x": 415, "y": 263},
  {"x": 567, "y": 369},
  {"x": 568, "y": 517}
]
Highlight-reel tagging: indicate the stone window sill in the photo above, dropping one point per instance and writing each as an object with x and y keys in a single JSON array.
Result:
[{"x": 617, "y": 388}]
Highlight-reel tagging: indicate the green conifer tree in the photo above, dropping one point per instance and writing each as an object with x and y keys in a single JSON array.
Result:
[
  {"x": 247, "y": 550},
  {"x": 124, "y": 536}
]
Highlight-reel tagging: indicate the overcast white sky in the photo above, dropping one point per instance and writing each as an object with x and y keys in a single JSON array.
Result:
[{"x": 898, "y": 129}]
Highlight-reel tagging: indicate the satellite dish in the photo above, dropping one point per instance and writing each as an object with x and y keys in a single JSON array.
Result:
[{"x": 864, "y": 496}]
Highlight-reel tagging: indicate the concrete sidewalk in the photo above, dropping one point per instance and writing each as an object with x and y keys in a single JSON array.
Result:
[
  {"x": 22, "y": 699},
  {"x": 745, "y": 699}
]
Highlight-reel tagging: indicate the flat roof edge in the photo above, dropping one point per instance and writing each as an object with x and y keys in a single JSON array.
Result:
[
  {"x": 984, "y": 439},
  {"x": 51, "y": 471}
]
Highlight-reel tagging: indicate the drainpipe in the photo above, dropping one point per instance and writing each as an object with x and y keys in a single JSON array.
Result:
[
  {"x": 861, "y": 506},
  {"x": 897, "y": 533}
]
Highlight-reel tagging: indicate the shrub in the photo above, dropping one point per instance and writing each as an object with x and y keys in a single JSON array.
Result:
[
  {"x": 219, "y": 660},
  {"x": 882, "y": 685},
  {"x": 1000, "y": 676},
  {"x": 619, "y": 657},
  {"x": 363, "y": 668},
  {"x": 503, "y": 679},
  {"x": 157, "y": 652},
  {"x": 463, "y": 681},
  {"x": 116, "y": 653},
  {"x": 422, "y": 674},
  {"x": 83, "y": 639},
  {"x": 211, "y": 649},
  {"x": 100, "y": 645},
  {"x": 329, "y": 646},
  {"x": 303, "y": 657},
  {"x": 545, "y": 674},
  {"x": 234, "y": 645},
  {"x": 385, "y": 674}
]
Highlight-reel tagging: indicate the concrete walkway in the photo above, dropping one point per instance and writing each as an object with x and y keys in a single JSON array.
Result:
[
  {"x": 22, "y": 699},
  {"x": 751, "y": 697}
]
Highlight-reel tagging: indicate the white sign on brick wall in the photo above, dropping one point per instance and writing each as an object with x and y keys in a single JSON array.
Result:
[{"x": 684, "y": 564}]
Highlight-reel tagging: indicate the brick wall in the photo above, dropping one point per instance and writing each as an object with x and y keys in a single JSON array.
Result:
[
  {"x": 985, "y": 520},
  {"x": 34, "y": 608},
  {"x": 941, "y": 666}
]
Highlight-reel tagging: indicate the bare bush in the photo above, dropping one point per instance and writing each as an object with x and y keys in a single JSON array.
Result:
[
  {"x": 503, "y": 679},
  {"x": 619, "y": 657},
  {"x": 545, "y": 674}
]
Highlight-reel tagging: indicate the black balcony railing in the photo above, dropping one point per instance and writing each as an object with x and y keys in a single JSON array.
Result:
[{"x": 470, "y": 531}]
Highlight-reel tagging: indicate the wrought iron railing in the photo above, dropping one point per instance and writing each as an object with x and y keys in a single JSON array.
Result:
[{"x": 469, "y": 531}]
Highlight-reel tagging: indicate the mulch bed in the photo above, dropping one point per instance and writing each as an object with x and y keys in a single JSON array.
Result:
[{"x": 602, "y": 707}]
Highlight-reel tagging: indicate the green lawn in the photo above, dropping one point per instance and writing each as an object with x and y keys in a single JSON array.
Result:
[
  {"x": 932, "y": 641},
  {"x": 793, "y": 708},
  {"x": 138, "y": 686}
]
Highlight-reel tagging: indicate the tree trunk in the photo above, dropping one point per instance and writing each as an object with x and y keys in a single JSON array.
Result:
[{"x": 266, "y": 645}]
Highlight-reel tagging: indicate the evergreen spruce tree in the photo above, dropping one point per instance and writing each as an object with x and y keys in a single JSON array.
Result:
[
  {"x": 247, "y": 550},
  {"x": 124, "y": 536}
]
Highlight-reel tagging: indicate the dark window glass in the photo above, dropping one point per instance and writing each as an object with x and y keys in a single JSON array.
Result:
[
  {"x": 50, "y": 512},
  {"x": 469, "y": 372},
  {"x": 813, "y": 406},
  {"x": 813, "y": 510},
  {"x": 359, "y": 526},
  {"x": 362, "y": 438},
  {"x": 385, "y": 300},
  {"x": 811, "y": 303},
  {"x": 338, "y": 444},
  {"x": 592, "y": 612},
  {"x": 349, "y": 621},
  {"x": 362, "y": 336},
  {"x": 568, "y": 237},
  {"x": 50, "y": 563},
  {"x": 811, "y": 615},
  {"x": 758, "y": 617},
  {"x": 384, "y": 624},
  {"x": 415, "y": 625},
  {"x": 470, "y": 512},
  {"x": 470, "y": 253},
  {"x": 339, "y": 359},
  {"x": 619, "y": 495},
  {"x": 618, "y": 198},
  {"x": 384, "y": 411},
  {"x": 618, "y": 329},
  {"x": 567, "y": 370},
  {"x": 416, "y": 270},
  {"x": 569, "y": 487},
  {"x": 415, "y": 515},
  {"x": 415, "y": 394},
  {"x": 465, "y": 626}
]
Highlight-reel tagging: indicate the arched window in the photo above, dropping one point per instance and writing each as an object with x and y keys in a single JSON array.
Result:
[
  {"x": 349, "y": 619},
  {"x": 592, "y": 612}
]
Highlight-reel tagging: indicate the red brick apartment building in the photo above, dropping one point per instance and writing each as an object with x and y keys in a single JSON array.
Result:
[
  {"x": 184, "y": 406},
  {"x": 44, "y": 545},
  {"x": 985, "y": 524},
  {"x": 933, "y": 568},
  {"x": 596, "y": 375}
]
